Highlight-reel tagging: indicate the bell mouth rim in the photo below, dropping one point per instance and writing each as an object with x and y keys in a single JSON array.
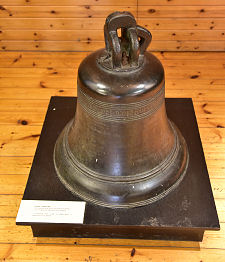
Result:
[
  {"x": 89, "y": 196},
  {"x": 75, "y": 191}
]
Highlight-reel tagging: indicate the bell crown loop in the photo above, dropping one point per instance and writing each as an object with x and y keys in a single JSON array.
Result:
[{"x": 124, "y": 52}]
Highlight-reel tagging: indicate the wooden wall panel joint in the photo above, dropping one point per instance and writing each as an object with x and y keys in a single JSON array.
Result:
[{"x": 77, "y": 25}]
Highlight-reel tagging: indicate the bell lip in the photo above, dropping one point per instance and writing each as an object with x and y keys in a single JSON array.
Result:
[
  {"x": 75, "y": 191},
  {"x": 86, "y": 195}
]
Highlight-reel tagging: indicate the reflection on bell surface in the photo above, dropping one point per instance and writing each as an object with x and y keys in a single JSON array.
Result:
[{"x": 121, "y": 150}]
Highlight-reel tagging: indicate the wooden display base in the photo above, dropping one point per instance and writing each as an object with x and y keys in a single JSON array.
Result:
[{"x": 184, "y": 214}]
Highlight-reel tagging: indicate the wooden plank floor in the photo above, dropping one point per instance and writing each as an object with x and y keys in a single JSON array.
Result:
[{"x": 28, "y": 80}]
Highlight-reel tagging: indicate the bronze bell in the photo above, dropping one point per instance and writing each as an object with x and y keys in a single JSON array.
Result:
[{"x": 120, "y": 150}]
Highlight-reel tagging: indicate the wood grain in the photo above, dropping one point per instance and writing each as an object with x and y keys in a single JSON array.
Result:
[
  {"x": 181, "y": 2},
  {"x": 72, "y": 25},
  {"x": 13, "y": 112},
  {"x": 181, "y": 23},
  {"x": 98, "y": 23},
  {"x": 181, "y": 11},
  {"x": 53, "y": 24},
  {"x": 73, "y": 59},
  {"x": 84, "y": 11},
  {"x": 110, "y": 2},
  {"x": 19, "y": 165},
  {"x": 94, "y": 45},
  {"x": 94, "y": 253},
  {"x": 205, "y": 72},
  {"x": 74, "y": 2},
  {"x": 21, "y": 140},
  {"x": 198, "y": 94},
  {"x": 97, "y": 35}
]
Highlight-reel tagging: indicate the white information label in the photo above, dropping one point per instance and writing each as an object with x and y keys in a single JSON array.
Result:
[{"x": 44, "y": 211}]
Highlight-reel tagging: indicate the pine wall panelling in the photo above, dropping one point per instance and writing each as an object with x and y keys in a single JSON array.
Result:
[{"x": 77, "y": 25}]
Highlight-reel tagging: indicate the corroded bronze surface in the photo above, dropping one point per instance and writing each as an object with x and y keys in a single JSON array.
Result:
[{"x": 120, "y": 150}]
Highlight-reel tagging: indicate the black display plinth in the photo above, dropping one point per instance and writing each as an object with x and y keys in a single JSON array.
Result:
[{"x": 184, "y": 214}]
